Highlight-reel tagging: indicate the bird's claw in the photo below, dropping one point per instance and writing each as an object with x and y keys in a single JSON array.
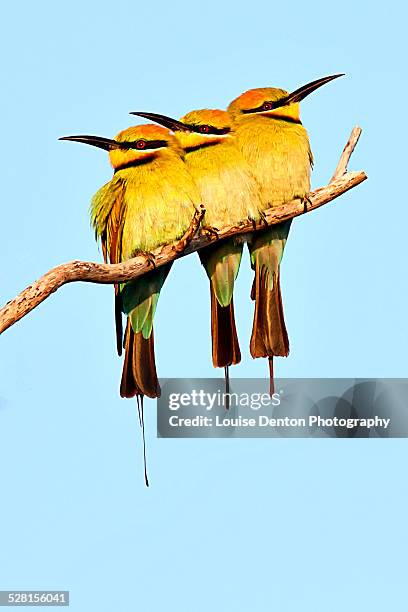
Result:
[
  {"x": 263, "y": 217},
  {"x": 210, "y": 231},
  {"x": 253, "y": 221},
  {"x": 179, "y": 247},
  {"x": 306, "y": 201},
  {"x": 150, "y": 258}
]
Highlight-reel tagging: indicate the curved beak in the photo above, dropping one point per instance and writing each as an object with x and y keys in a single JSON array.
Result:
[
  {"x": 172, "y": 124},
  {"x": 96, "y": 141},
  {"x": 305, "y": 90}
]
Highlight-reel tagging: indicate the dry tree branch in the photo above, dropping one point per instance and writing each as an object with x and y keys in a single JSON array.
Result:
[{"x": 193, "y": 240}]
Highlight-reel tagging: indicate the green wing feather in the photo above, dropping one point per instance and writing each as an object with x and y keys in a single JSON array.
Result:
[
  {"x": 140, "y": 297},
  {"x": 107, "y": 214},
  {"x": 266, "y": 248},
  {"x": 103, "y": 202},
  {"x": 221, "y": 262}
]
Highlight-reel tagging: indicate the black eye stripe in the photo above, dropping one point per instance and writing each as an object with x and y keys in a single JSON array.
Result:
[
  {"x": 211, "y": 129},
  {"x": 150, "y": 144},
  {"x": 261, "y": 108}
]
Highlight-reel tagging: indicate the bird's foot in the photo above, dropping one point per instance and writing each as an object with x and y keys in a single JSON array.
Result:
[
  {"x": 210, "y": 230},
  {"x": 253, "y": 221},
  {"x": 263, "y": 217},
  {"x": 150, "y": 257},
  {"x": 306, "y": 201}
]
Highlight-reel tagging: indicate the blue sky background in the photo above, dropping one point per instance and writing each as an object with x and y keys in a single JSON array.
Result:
[{"x": 230, "y": 525}]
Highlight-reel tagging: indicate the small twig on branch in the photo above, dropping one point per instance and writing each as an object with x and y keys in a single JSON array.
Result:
[
  {"x": 90, "y": 272},
  {"x": 347, "y": 152}
]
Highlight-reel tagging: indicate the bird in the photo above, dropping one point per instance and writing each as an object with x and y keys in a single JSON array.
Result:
[
  {"x": 230, "y": 194},
  {"x": 272, "y": 139},
  {"x": 150, "y": 201}
]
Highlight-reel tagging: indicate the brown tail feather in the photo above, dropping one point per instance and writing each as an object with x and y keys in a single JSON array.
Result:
[
  {"x": 253, "y": 289},
  {"x": 139, "y": 376},
  {"x": 269, "y": 336},
  {"x": 144, "y": 365},
  {"x": 128, "y": 386},
  {"x": 225, "y": 345}
]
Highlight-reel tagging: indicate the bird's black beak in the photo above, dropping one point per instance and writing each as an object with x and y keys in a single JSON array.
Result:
[
  {"x": 172, "y": 124},
  {"x": 96, "y": 141},
  {"x": 305, "y": 90}
]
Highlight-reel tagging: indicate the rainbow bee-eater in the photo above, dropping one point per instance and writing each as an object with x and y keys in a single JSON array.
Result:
[
  {"x": 230, "y": 194},
  {"x": 272, "y": 139},
  {"x": 150, "y": 201}
]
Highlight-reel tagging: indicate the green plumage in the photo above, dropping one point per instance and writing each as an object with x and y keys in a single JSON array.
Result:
[
  {"x": 266, "y": 249},
  {"x": 221, "y": 264},
  {"x": 140, "y": 297}
]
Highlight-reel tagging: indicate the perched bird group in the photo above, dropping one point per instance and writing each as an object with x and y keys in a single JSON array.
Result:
[{"x": 237, "y": 163}]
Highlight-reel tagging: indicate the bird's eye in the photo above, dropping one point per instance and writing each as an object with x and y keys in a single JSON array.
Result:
[
  {"x": 204, "y": 129},
  {"x": 266, "y": 106},
  {"x": 141, "y": 144}
]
